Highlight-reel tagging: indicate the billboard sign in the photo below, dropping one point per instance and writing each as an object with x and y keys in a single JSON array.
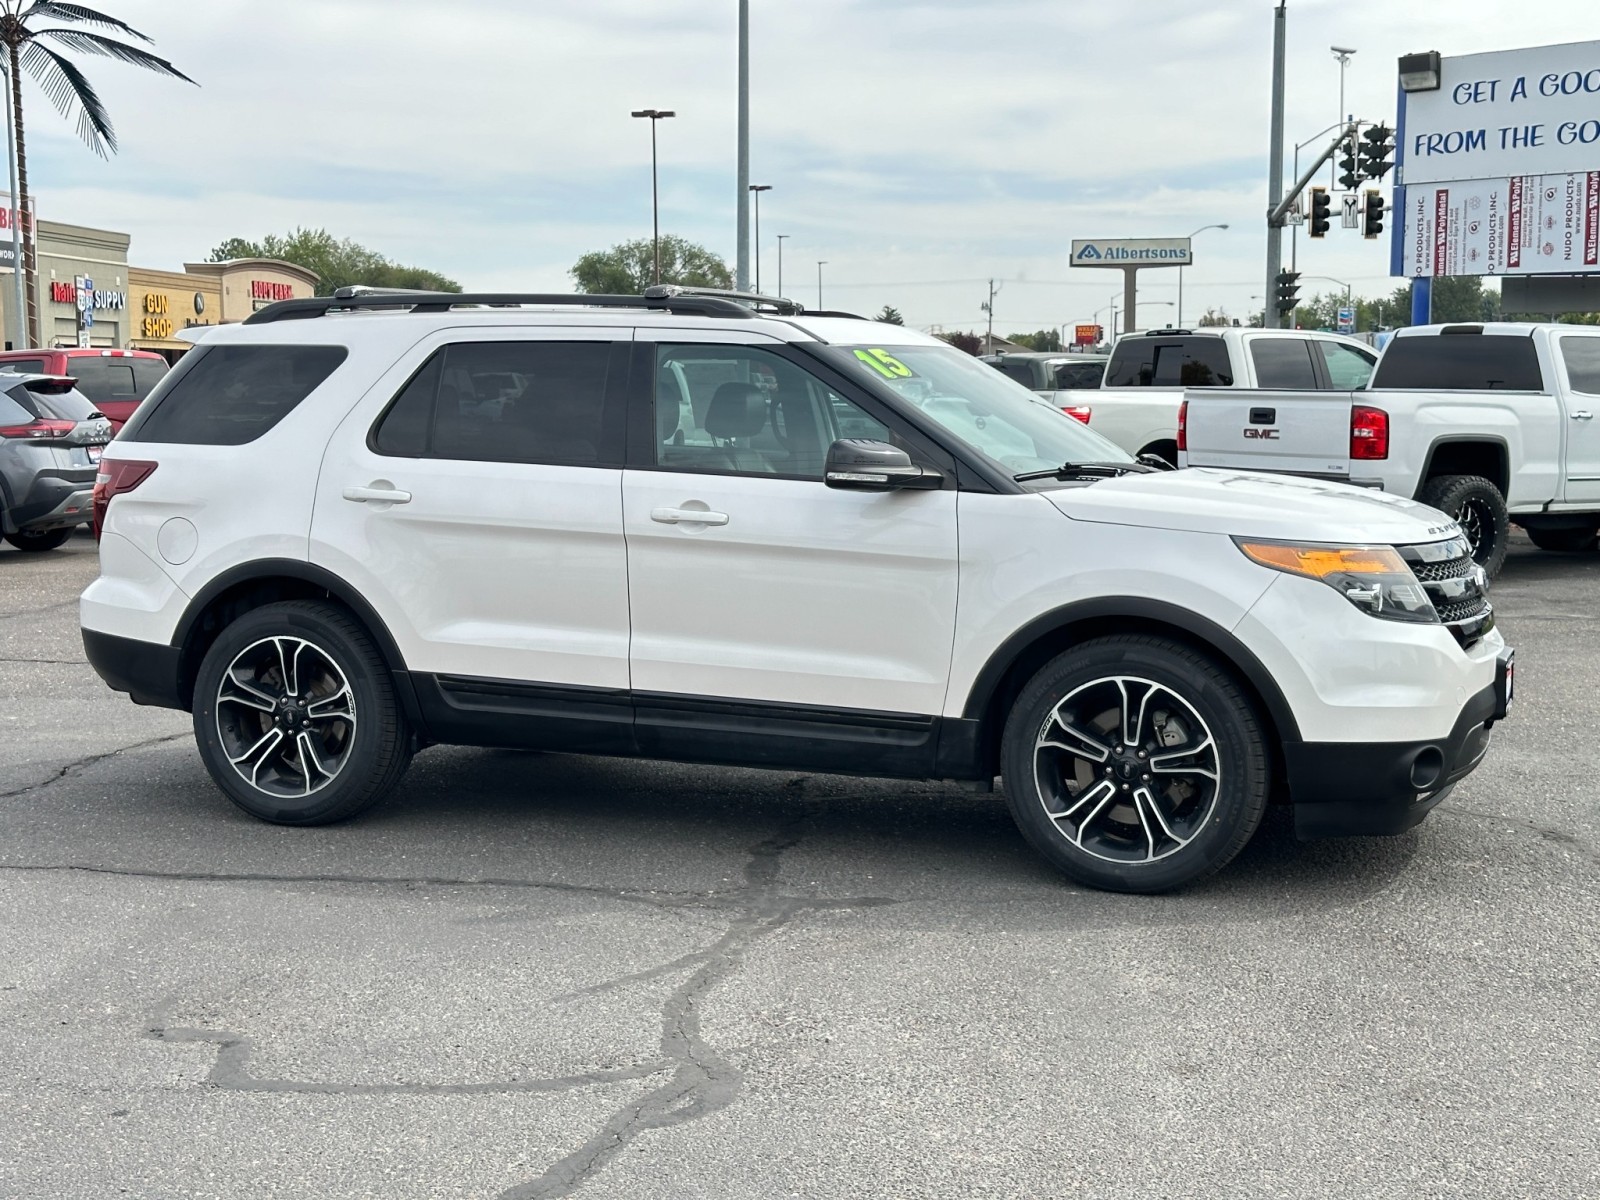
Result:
[
  {"x": 1526, "y": 225},
  {"x": 1505, "y": 113},
  {"x": 1086, "y": 335},
  {"x": 1131, "y": 252}
]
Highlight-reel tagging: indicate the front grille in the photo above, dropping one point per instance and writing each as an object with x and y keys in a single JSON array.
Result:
[{"x": 1455, "y": 586}]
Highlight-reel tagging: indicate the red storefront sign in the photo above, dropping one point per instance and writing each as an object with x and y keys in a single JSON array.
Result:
[
  {"x": 262, "y": 289},
  {"x": 1086, "y": 335}
]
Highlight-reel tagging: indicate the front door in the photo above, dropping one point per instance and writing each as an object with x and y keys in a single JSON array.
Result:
[
  {"x": 752, "y": 583},
  {"x": 474, "y": 497}
]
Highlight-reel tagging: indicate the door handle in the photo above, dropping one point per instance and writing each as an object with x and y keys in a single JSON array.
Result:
[
  {"x": 1583, "y": 414},
  {"x": 687, "y": 516},
  {"x": 379, "y": 495}
]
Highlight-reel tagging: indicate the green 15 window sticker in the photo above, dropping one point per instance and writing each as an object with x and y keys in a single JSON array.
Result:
[{"x": 885, "y": 364}]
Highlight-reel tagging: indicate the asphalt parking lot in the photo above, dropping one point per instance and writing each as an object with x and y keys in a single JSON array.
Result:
[{"x": 543, "y": 975}]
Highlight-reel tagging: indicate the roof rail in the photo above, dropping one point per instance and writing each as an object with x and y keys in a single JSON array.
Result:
[
  {"x": 780, "y": 306},
  {"x": 350, "y": 299}
]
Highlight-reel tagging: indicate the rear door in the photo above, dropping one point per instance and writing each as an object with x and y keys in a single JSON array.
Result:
[
  {"x": 1580, "y": 359},
  {"x": 474, "y": 497},
  {"x": 1301, "y": 433}
]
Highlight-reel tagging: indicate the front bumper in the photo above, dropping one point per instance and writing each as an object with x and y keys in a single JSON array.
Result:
[{"x": 1340, "y": 789}]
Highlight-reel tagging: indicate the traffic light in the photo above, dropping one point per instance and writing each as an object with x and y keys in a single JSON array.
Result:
[
  {"x": 1288, "y": 291},
  {"x": 1350, "y": 179},
  {"x": 1375, "y": 153},
  {"x": 1372, "y": 214},
  {"x": 1321, "y": 207}
]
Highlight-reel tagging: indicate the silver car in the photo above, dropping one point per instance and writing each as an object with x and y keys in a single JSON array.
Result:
[{"x": 51, "y": 437}]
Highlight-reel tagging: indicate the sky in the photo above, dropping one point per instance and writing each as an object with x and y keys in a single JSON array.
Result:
[{"x": 920, "y": 148}]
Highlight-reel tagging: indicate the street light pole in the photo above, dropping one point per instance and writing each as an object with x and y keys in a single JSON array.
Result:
[
  {"x": 781, "y": 236},
  {"x": 1275, "y": 165},
  {"x": 758, "y": 188},
  {"x": 742, "y": 258},
  {"x": 655, "y": 114},
  {"x": 821, "y": 262},
  {"x": 1193, "y": 235},
  {"x": 1342, "y": 53}
]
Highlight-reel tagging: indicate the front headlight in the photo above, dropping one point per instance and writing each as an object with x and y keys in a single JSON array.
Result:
[{"x": 1373, "y": 578}]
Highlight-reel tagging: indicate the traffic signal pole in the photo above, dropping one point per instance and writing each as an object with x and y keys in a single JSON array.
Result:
[{"x": 1271, "y": 318}]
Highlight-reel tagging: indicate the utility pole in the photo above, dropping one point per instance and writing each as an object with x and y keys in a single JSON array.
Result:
[
  {"x": 1271, "y": 316},
  {"x": 741, "y": 280},
  {"x": 988, "y": 307}
]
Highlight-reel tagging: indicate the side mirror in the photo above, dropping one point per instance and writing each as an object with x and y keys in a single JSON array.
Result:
[{"x": 865, "y": 465}]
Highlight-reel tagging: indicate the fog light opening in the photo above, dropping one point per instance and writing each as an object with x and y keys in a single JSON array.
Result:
[{"x": 1427, "y": 769}]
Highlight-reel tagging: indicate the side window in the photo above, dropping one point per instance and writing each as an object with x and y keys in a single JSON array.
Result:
[
  {"x": 1179, "y": 362},
  {"x": 1019, "y": 369},
  {"x": 521, "y": 402},
  {"x": 232, "y": 394},
  {"x": 1582, "y": 358},
  {"x": 742, "y": 410},
  {"x": 1348, "y": 368},
  {"x": 24, "y": 366},
  {"x": 1283, "y": 363}
]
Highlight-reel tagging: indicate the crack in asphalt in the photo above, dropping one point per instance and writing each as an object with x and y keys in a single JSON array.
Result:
[
  {"x": 230, "y": 1073},
  {"x": 53, "y": 662},
  {"x": 704, "y": 1082},
  {"x": 82, "y": 764},
  {"x": 663, "y": 899}
]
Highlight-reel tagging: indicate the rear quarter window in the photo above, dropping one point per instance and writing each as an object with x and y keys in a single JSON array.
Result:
[
  {"x": 230, "y": 395},
  {"x": 24, "y": 366},
  {"x": 1170, "y": 362},
  {"x": 1471, "y": 362}
]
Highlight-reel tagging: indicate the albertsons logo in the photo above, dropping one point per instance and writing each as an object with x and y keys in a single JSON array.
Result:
[{"x": 1089, "y": 251}]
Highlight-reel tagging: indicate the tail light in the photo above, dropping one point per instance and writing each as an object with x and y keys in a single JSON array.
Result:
[
  {"x": 1369, "y": 432},
  {"x": 117, "y": 475},
  {"x": 1183, "y": 426},
  {"x": 1078, "y": 412},
  {"x": 38, "y": 429}
]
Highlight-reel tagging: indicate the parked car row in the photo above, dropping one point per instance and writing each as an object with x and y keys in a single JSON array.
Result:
[{"x": 58, "y": 409}]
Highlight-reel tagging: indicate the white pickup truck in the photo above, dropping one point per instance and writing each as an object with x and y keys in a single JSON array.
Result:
[
  {"x": 1137, "y": 403},
  {"x": 1492, "y": 424}
]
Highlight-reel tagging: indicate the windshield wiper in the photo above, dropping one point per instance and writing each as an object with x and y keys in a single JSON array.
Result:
[{"x": 1086, "y": 470}]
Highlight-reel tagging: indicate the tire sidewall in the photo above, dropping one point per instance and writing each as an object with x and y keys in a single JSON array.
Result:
[
  {"x": 1235, "y": 726},
  {"x": 343, "y": 796},
  {"x": 1451, "y": 493}
]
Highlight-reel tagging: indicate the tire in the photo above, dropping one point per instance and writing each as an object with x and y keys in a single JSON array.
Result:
[
  {"x": 359, "y": 741},
  {"x": 1128, "y": 837},
  {"x": 36, "y": 541},
  {"x": 1166, "y": 451},
  {"x": 1479, "y": 508},
  {"x": 1571, "y": 539}
]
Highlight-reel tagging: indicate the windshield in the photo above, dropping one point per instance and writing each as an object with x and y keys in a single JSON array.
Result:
[{"x": 984, "y": 408}]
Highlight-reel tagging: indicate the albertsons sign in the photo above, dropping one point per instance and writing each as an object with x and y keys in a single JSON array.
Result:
[{"x": 1131, "y": 252}]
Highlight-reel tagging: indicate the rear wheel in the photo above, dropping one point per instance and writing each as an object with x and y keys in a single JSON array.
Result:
[
  {"x": 37, "y": 540},
  {"x": 1135, "y": 764},
  {"x": 296, "y": 717},
  {"x": 1570, "y": 539},
  {"x": 1477, "y": 506}
]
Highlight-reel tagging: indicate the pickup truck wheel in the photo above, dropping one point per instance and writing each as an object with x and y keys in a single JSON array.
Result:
[
  {"x": 1479, "y": 508},
  {"x": 296, "y": 717},
  {"x": 1166, "y": 451},
  {"x": 37, "y": 540},
  {"x": 1135, "y": 764},
  {"x": 1572, "y": 539}
]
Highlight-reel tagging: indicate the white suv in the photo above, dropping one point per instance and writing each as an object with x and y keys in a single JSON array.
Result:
[{"x": 687, "y": 527}]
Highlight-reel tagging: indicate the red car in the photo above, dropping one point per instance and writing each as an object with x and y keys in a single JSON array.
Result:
[{"x": 113, "y": 380}]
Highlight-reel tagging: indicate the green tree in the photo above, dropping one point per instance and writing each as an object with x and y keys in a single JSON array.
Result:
[
  {"x": 970, "y": 342},
  {"x": 24, "y": 34},
  {"x": 627, "y": 269},
  {"x": 336, "y": 262},
  {"x": 1043, "y": 339},
  {"x": 890, "y": 316}
]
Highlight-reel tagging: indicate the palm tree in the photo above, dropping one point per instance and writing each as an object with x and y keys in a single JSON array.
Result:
[{"x": 24, "y": 32}]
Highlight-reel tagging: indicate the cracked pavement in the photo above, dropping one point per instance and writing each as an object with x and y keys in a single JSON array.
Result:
[{"x": 541, "y": 975}]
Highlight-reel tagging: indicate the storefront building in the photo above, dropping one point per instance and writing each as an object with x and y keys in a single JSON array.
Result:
[
  {"x": 68, "y": 255},
  {"x": 164, "y": 303}
]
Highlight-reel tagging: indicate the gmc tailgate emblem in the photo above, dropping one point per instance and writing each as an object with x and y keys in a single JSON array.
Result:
[{"x": 1269, "y": 435}]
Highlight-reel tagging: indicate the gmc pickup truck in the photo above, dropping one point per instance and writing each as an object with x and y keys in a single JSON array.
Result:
[
  {"x": 1137, "y": 404},
  {"x": 1491, "y": 424}
]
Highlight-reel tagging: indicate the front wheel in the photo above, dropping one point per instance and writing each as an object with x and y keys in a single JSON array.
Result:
[
  {"x": 1475, "y": 504},
  {"x": 1135, "y": 764},
  {"x": 36, "y": 541},
  {"x": 296, "y": 717}
]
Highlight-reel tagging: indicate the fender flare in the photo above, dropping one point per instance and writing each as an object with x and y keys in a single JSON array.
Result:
[{"x": 1104, "y": 609}]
